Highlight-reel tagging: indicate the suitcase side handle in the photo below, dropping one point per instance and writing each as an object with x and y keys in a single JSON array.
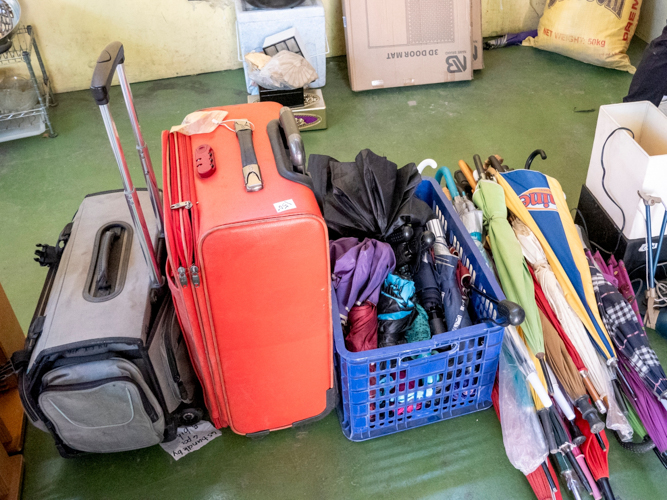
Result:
[
  {"x": 111, "y": 61},
  {"x": 283, "y": 164},
  {"x": 294, "y": 141}
]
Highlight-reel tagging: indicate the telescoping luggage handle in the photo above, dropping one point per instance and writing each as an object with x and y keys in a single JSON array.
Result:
[{"x": 111, "y": 61}]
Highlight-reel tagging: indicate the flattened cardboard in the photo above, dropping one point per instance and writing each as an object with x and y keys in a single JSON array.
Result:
[{"x": 396, "y": 43}]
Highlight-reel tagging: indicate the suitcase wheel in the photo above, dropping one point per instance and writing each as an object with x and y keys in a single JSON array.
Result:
[{"x": 190, "y": 416}]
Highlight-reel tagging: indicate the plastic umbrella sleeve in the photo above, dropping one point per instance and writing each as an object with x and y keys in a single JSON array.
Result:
[
  {"x": 545, "y": 487},
  {"x": 571, "y": 479},
  {"x": 596, "y": 458}
]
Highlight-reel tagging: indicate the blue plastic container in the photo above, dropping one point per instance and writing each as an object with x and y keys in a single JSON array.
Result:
[{"x": 384, "y": 391}]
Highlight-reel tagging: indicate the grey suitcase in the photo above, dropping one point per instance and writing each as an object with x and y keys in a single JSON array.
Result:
[{"x": 105, "y": 367}]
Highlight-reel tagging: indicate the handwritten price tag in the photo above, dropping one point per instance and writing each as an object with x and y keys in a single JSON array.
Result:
[
  {"x": 281, "y": 206},
  {"x": 189, "y": 439}
]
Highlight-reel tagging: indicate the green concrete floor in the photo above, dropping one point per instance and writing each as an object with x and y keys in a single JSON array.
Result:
[{"x": 524, "y": 99}]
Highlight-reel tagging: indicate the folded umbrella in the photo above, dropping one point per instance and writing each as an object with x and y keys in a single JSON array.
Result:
[
  {"x": 368, "y": 197},
  {"x": 512, "y": 269},
  {"x": 396, "y": 310},
  {"x": 359, "y": 269},
  {"x": 540, "y": 203},
  {"x": 445, "y": 266},
  {"x": 652, "y": 414},
  {"x": 596, "y": 458},
  {"x": 625, "y": 285},
  {"x": 628, "y": 335},
  {"x": 517, "y": 284}
]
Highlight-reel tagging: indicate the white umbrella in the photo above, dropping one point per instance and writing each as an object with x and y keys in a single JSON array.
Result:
[{"x": 599, "y": 373}]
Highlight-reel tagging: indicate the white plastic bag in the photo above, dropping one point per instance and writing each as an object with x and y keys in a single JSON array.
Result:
[
  {"x": 285, "y": 70},
  {"x": 200, "y": 122}
]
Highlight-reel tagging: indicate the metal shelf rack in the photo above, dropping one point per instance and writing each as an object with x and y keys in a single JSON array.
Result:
[{"x": 33, "y": 121}]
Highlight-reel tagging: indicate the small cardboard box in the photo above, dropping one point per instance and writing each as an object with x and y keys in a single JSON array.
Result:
[
  {"x": 312, "y": 115},
  {"x": 395, "y": 43},
  {"x": 477, "y": 40}
]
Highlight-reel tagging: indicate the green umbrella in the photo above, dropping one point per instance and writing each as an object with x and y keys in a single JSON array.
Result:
[
  {"x": 516, "y": 282},
  {"x": 515, "y": 278}
]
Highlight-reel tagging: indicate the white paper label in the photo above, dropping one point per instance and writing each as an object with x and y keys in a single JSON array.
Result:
[
  {"x": 189, "y": 439},
  {"x": 281, "y": 206}
]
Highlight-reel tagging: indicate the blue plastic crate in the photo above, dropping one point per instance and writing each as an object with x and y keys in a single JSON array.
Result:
[{"x": 384, "y": 391}]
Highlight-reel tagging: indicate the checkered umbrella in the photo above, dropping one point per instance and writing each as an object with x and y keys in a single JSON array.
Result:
[{"x": 627, "y": 333}]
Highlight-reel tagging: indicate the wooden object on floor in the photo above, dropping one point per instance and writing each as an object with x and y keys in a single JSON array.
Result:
[
  {"x": 11, "y": 336},
  {"x": 12, "y": 421},
  {"x": 11, "y": 475}
]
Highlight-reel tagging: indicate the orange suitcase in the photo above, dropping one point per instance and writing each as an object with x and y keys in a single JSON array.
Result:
[{"x": 249, "y": 269}]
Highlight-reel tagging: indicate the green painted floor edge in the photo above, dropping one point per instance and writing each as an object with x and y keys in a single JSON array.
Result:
[{"x": 524, "y": 99}]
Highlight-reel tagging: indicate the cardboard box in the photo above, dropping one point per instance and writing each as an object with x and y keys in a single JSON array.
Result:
[
  {"x": 477, "y": 40},
  {"x": 11, "y": 476},
  {"x": 312, "y": 115},
  {"x": 395, "y": 43},
  {"x": 12, "y": 421}
]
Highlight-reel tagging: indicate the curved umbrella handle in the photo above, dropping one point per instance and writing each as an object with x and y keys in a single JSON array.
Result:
[
  {"x": 449, "y": 180},
  {"x": 428, "y": 162},
  {"x": 532, "y": 156}
]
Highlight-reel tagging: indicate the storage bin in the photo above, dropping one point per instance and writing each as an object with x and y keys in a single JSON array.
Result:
[
  {"x": 384, "y": 391},
  {"x": 254, "y": 25}
]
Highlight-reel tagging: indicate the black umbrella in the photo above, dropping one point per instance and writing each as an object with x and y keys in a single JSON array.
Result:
[{"x": 370, "y": 197}]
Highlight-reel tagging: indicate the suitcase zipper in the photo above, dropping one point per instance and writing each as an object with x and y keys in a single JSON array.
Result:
[
  {"x": 194, "y": 273},
  {"x": 182, "y": 276},
  {"x": 152, "y": 414}
]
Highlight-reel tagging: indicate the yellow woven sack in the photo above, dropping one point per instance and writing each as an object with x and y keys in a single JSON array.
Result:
[{"x": 593, "y": 31}]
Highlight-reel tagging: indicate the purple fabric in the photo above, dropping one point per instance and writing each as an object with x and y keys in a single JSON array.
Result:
[
  {"x": 651, "y": 412},
  {"x": 359, "y": 269},
  {"x": 607, "y": 271},
  {"x": 625, "y": 285}
]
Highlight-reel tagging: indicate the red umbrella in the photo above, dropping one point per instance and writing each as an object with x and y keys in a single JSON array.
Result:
[{"x": 596, "y": 458}]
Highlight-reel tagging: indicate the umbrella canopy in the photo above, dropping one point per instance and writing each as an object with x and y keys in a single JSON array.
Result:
[
  {"x": 359, "y": 269},
  {"x": 362, "y": 334},
  {"x": 368, "y": 197},
  {"x": 596, "y": 458},
  {"x": 540, "y": 203},
  {"x": 573, "y": 328},
  {"x": 627, "y": 333},
  {"x": 652, "y": 414},
  {"x": 445, "y": 265},
  {"x": 624, "y": 285},
  {"x": 510, "y": 264}
]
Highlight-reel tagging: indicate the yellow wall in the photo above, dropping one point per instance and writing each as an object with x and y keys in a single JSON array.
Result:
[{"x": 161, "y": 38}]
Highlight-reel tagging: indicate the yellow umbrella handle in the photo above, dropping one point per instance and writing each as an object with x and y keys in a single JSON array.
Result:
[{"x": 465, "y": 168}]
